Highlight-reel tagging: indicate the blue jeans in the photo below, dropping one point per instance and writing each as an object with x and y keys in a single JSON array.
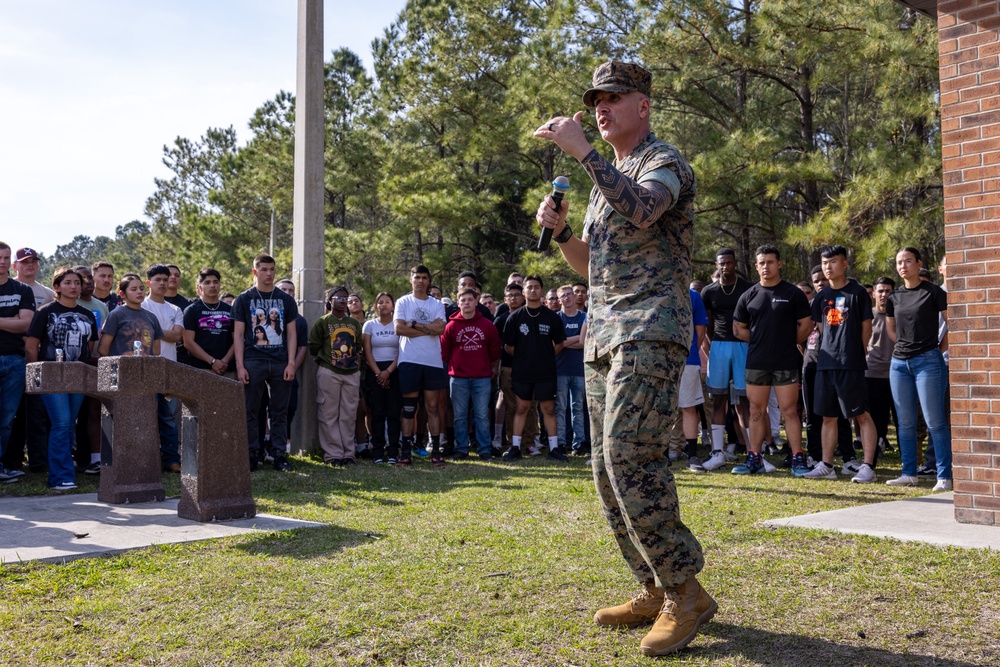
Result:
[
  {"x": 570, "y": 391},
  {"x": 11, "y": 390},
  {"x": 924, "y": 378},
  {"x": 478, "y": 391},
  {"x": 167, "y": 427},
  {"x": 62, "y": 409}
]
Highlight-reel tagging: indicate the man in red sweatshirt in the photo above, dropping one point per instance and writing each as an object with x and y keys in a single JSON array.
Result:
[{"x": 470, "y": 347}]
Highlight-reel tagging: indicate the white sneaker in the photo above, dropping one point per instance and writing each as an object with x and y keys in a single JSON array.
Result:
[
  {"x": 768, "y": 466},
  {"x": 942, "y": 485},
  {"x": 865, "y": 475},
  {"x": 821, "y": 471},
  {"x": 535, "y": 450},
  {"x": 497, "y": 442},
  {"x": 850, "y": 468},
  {"x": 716, "y": 460},
  {"x": 904, "y": 480},
  {"x": 811, "y": 462},
  {"x": 731, "y": 452}
]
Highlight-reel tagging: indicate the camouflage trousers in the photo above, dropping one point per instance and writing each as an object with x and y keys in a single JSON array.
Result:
[{"x": 632, "y": 394}]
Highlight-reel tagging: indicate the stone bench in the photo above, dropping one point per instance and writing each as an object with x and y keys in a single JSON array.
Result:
[
  {"x": 127, "y": 421},
  {"x": 215, "y": 469}
]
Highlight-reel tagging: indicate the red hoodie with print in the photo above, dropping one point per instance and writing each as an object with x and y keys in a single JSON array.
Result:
[{"x": 470, "y": 347}]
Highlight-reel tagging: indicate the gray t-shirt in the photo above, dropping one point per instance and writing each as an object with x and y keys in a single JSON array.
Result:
[
  {"x": 128, "y": 325},
  {"x": 879, "y": 348}
]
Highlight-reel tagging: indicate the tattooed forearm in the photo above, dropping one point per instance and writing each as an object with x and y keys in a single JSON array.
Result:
[{"x": 641, "y": 205}]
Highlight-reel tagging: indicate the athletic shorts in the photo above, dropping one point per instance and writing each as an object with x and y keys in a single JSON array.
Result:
[
  {"x": 727, "y": 362},
  {"x": 534, "y": 391},
  {"x": 417, "y": 377},
  {"x": 773, "y": 378},
  {"x": 691, "y": 393},
  {"x": 840, "y": 393}
]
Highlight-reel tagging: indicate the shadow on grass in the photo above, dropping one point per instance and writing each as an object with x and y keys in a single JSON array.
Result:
[
  {"x": 792, "y": 650},
  {"x": 306, "y": 543}
]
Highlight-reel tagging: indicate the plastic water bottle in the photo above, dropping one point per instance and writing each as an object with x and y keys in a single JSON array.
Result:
[
  {"x": 59, "y": 354},
  {"x": 137, "y": 348}
]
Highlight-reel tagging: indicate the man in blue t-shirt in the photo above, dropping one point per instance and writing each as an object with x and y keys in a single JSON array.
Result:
[
  {"x": 692, "y": 394},
  {"x": 570, "y": 389}
]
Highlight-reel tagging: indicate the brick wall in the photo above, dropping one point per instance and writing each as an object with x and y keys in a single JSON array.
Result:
[{"x": 969, "y": 33}]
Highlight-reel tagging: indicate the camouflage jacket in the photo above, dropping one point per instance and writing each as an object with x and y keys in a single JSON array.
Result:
[{"x": 639, "y": 277}]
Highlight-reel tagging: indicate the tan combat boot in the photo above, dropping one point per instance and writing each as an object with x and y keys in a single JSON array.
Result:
[
  {"x": 643, "y": 608},
  {"x": 685, "y": 609}
]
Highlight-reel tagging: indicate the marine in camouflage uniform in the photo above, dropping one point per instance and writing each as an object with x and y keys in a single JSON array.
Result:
[
  {"x": 636, "y": 348},
  {"x": 636, "y": 249}
]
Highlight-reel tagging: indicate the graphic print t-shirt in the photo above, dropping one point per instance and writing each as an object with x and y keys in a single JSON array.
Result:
[
  {"x": 773, "y": 314},
  {"x": 128, "y": 325},
  {"x": 385, "y": 342},
  {"x": 841, "y": 313},
  {"x": 70, "y": 329},
  {"x": 14, "y": 297},
  {"x": 264, "y": 315},
  {"x": 532, "y": 333},
  {"x": 337, "y": 343},
  {"x": 213, "y": 331}
]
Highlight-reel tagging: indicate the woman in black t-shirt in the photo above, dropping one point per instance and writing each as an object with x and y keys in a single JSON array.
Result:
[
  {"x": 62, "y": 331},
  {"x": 918, "y": 370}
]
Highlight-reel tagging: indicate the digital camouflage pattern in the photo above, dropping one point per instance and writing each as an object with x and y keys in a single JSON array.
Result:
[
  {"x": 616, "y": 77},
  {"x": 632, "y": 396},
  {"x": 639, "y": 277}
]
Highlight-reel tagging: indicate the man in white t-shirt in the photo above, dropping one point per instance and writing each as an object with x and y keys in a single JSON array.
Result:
[
  {"x": 172, "y": 322},
  {"x": 420, "y": 321}
]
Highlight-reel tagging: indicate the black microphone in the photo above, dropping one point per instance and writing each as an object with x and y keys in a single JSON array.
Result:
[{"x": 560, "y": 186}]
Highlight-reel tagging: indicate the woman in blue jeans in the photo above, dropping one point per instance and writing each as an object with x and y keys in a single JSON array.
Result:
[
  {"x": 62, "y": 331},
  {"x": 918, "y": 371}
]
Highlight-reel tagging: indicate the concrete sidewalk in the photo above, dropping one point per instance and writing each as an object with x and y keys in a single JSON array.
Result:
[
  {"x": 929, "y": 519},
  {"x": 64, "y": 527}
]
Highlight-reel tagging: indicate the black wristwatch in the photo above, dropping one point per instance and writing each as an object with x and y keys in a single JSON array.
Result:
[{"x": 565, "y": 235}]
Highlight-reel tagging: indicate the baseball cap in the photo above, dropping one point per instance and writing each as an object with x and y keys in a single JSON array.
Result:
[
  {"x": 25, "y": 253},
  {"x": 616, "y": 77}
]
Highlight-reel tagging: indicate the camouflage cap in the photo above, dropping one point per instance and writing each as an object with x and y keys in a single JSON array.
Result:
[{"x": 616, "y": 77}]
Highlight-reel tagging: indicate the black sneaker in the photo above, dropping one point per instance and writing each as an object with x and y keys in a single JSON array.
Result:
[
  {"x": 694, "y": 464},
  {"x": 786, "y": 462},
  {"x": 486, "y": 458},
  {"x": 448, "y": 449},
  {"x": 348, "y": 462},
  {"x": 512, "y": 454},
  {"x": 8, "y": 476},
  {"x": 281, "y": 464},
  {"x": 436, "y": 459},
  {"x": 496, "y": 452},
  {"x": 380, "y": 461},
  {"x": 927, "y": 471},
  {"x": 93, "y": 469},
  {"x": 460, "y": 456},
  {"x": 557, "y": 454}
]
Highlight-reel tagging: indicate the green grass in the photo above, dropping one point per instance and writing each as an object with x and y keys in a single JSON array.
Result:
[{"x": 480, "y": 564}]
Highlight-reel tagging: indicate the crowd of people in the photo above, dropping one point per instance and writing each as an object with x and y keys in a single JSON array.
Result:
[{"x": 437, "y": 377}]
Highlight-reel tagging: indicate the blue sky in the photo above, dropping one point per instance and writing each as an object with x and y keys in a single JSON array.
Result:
[{"x": 91, "y": 91}]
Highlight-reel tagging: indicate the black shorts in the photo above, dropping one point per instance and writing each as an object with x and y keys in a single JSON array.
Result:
[
  {"x": 534, "y": 391},
  {"x": 773, "y": 378},
  {"x": 416, "y": 377},
  {"x": 840, "y": 393}
]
